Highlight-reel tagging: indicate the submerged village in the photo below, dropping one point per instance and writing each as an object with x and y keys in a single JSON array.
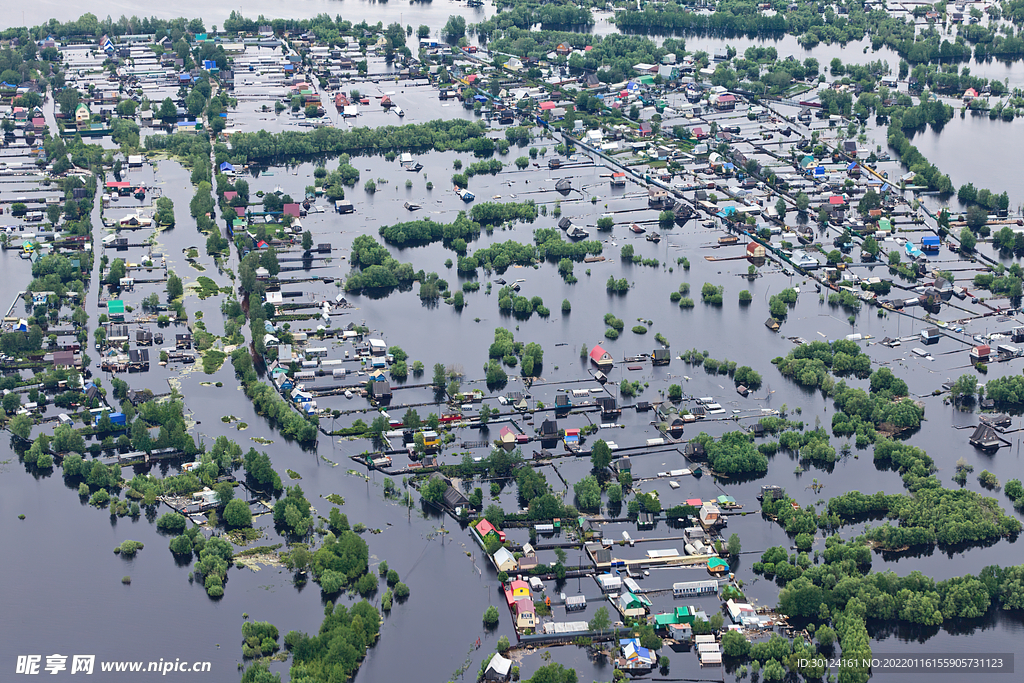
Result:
[{"x": 537, "y": 350}]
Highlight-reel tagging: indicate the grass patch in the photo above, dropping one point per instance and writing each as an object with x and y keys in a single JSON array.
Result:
[
  {"x": 293, "y": 474},
  {"x": 244, "y": 536},
  {"x": 207, "y": 287},
  {"x": 212, "y": 360},
  {"x": 336, "y": 499},
  {"x": 259, "y": 550}
]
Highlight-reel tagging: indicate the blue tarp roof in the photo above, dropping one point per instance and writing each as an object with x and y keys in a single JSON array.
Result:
[
  {"x": 885, "y": 188},
  {"x": 226, "y": 167},
  {"x": 851, "y": 166},
  {"x": 820, "y": 170}
]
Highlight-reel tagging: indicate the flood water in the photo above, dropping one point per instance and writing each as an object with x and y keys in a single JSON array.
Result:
[{"x": 62, "y": 584}]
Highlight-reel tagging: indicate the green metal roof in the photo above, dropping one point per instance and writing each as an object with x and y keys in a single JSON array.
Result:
[{"x": 115, "y": 306}]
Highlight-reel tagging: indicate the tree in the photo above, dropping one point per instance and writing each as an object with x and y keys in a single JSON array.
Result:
[
  {"x": 588, "y": 493},
  {"x": 802, "y": 202},
  {"x": 175, "y": 288},
  {"x": 307, "y": 240},
  {"x": 454, "y": 29},
  {"x": 491, "y": 617},
  {"x": 237, "y": 514},
  {"x": 735, "y": 644},
  {"x": 21, "y": 426},
  {"x": 11, "y": 402},
  {"x": 976, "y": 217},
  {"x": 600, "y": 455},
  {"x": 734, "y": 545},
  {"x": 600, "y": 621},
  {"x": 171, "y": 522},
  {"x": 967, "y": 240},
  {"x": 780, "y": 207}
]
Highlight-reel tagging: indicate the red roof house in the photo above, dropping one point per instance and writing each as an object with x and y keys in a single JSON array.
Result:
[{"x": 600, "y": 357}]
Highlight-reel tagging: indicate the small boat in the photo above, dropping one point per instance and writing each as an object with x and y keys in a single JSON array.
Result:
[
  {"x": 636, "y": 229},
  {"x": 399, "y": 110},
  {"x": 653, "y": 237},
  {"x": 412, "y": 207},
  {"x": 464, "y": 195},
  {"x": 348, "y": 393}
]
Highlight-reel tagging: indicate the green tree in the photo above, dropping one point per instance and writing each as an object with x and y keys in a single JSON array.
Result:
[
  {"x": 237, "y": 514},
  {"x": 175, "y": 288},
  {"x": 491, "y": 617},
  {"x": 307, "y": 240},
  {"x": 600, "y": 455},
  {"x": 967, "y": 241},
  {"x": 600, "y": 620}
]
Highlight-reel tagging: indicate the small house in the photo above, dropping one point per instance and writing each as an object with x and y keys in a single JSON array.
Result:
[
  {"x": 710, "y": 515},
  {"x": 601, "y": 358},
  {"x": 755, "y": 250},
  {"x": 485, "y": 529},
  {"x": 985, "y": 438},
  {"x": 520, "y": 589},
  {"x": 498, "y": 669},
  {"x": 504, "y": 560},
  {"x": 930, "y": 336},
  {"x": 631, "y": 605},
  {"x": 980, "y": 353},
  {"x": 379, "y": 390},
  {"x": 549, "y": 430},
  {"x": 526, "y": 616}
]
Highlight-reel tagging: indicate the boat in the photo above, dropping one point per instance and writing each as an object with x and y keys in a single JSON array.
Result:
[
  {"x": 636, "y": 229},
  {"x": 412, "y": 207},
  {"x": 464, "y": 195},
  {"x": 399, "y": 110},
  {"x": 653, "y": 237},
  {"x": 348, "y": 393}
]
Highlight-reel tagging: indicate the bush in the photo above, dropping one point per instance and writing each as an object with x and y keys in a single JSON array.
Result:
[{"x": 491, "y": 617}]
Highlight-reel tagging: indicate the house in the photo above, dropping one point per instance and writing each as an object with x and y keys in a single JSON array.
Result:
[
  {"x": 970, "y": 94},
  {"x": 930, "y": 336},
  {"x": 498, "y": 669},
  {"x": 115, "y": 309},
  {"x": 549, "y": 430},
  {"x": 985, "y": 438},
  {"x": 600, "y": 357},
  {"x": 609, "y": 406},
  {"x": 183, "y": 341},
  {"x": 485, "y": 529},
  {"x": 572, "y": 438},
  {"x": 519, "y": 589},
  {"x": 609, "y": 582},
  {"x": 738, "y": 610},
  {"x": 504, "y": 560},
  {"x": 756, "y": 250},
  {"x": 64, "y": 360},
  {"x": 562, "y": 402},
  {"x": 631, "y": 605},
  {"x": 82, "y": 114},
  {"x": 710, "y": 515},
  {"x": 725, "y": 102},
  {"x": 562, "y": 50},
  {"x": 680, "y": 615},
  {"x": 526, "y": 616},
  {"x": 980, "y": 353},
  {"x": 380, "y": 390},
  {"x": 645, "y": 129},
  {"x": 686, "y": 589},
  {"x": 634, "y": 656},
  {"x": 661, "y": 357}
]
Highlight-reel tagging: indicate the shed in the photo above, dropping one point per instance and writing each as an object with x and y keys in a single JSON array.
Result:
[
  {"x": 661, "y": 357},
  {"x": 498, "y": 669}
]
